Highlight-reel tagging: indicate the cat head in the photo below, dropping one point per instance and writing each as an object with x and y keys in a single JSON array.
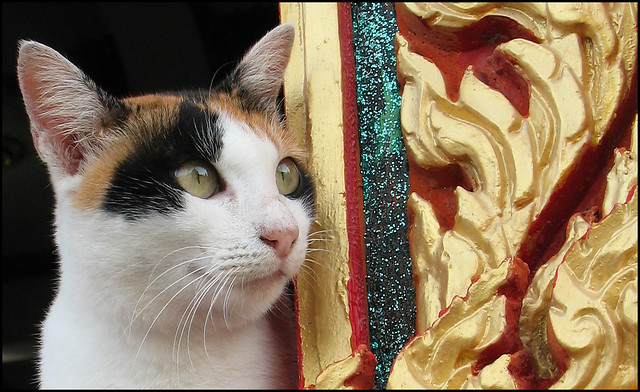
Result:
[{"x": 203, "y": 192}]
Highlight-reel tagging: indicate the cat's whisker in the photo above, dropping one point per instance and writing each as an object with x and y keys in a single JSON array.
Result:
[
  {"x": 197, "y": 279},
  {"x": 176, "y": 350},
  {"x": 196, "y": 271},
  {"x": 207, "y": 316},
  {"x": 204, "y": 332},
  {"x": 113, "y": 277},
  {"x": 221, "y": 287},
  {"x": 308, "y": 261},
  {"x": 319, "y": 250},
  {"x": 321, "y": 240},
  {"x": 311, "y": 237},
  {"x": 190, "y": 311},
  {"x": 184, "y": 319},
  {"x": 306, "y": 269},
  {"x": 310, "y": 273},
  {"x": 189, "y": 261},
  {"x": 218, "y": 281},
  {"x": 209, "y": 286},
  {"x": 150, "y": 283},
  {"x": 198, "y": 298},
  {"x": 203, "y": 286},
  {"x": 213, "y": 78},
  {"x": 162, "y": 310},
  {"x": 170, "y": 254},
  {"x": 323, "y": 232},
  {"x": 225, "y": 303}
]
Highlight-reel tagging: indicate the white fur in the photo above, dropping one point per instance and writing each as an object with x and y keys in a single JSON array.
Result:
[{"x": 124, "y": 314}]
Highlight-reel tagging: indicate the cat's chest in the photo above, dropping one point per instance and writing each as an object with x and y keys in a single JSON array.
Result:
[{"x": 201, "y": 357}]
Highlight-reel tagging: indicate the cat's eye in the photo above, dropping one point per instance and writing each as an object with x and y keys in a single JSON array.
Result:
[
  {"x": 198, "y": 178},
  {"x": 287, "y": 176}
]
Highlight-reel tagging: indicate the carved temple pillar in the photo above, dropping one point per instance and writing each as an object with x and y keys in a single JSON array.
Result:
[{"x": 476, "y": 175}]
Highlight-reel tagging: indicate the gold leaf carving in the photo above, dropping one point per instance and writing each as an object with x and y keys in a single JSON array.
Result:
[{"x": 579, "y": 73}]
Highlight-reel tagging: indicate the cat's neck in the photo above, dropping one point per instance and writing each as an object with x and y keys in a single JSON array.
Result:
[{"x": 193, "y": 357}]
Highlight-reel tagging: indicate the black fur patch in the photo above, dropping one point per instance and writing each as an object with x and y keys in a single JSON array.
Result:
[{"x": 144, "y": 183}]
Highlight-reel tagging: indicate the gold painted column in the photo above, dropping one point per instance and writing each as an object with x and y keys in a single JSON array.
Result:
[{"x": 330, "y": 287}]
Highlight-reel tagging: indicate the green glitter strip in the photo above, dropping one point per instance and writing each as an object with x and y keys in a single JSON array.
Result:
[{"x": 385, "y": 178}]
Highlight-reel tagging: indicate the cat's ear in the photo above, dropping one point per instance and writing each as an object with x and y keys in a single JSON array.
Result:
[
  {"x": 67, "y": 111},
  {"x": 259, "y": 75}
]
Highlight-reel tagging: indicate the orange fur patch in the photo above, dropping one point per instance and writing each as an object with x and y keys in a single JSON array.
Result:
[
  {"x": 98, "y": 176},
  {"x": 263, "y": 125}
]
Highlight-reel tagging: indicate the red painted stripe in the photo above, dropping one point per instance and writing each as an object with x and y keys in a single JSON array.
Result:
[
  {"x": 301, "y": 379},
  {"x": 358, "y": 308}
]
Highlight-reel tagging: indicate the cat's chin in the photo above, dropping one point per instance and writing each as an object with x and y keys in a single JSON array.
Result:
[
  {"x": 258, "y": 295},
  {"x": 265, "y": 287},
  {"x": 273, "y": 278}
]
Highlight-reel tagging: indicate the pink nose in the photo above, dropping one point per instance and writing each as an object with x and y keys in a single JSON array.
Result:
[{"x": 280, "y": 240}]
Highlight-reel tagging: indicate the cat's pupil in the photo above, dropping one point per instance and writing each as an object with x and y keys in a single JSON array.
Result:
[{"x": 200, "y": 172}]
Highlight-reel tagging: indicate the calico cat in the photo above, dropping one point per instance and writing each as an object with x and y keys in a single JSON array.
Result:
[{"x": 179, "y": 220}]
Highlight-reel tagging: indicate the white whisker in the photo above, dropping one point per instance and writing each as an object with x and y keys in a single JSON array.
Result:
[
  {"x": 319, "y": 250},
  {"x": 191, "y": 313},
  {"x": 201, "y": 290},
  {"x": 134, "y": 315},
  {"x": 310, "y": 273},
  {"x": 225, "y": 304},
  {"x": 162, "y": 310}
]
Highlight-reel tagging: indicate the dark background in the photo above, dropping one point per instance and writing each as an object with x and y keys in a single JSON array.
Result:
[{"x": 127, "y": 49}]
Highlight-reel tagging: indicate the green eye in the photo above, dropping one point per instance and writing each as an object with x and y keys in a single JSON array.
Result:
[
  {"x": 198, "y": 178},
  {"x": 287, "y": 176}
]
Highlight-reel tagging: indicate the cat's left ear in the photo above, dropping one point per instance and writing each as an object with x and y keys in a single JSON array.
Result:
[
  {"x": 69, "y": 113},
  {"x": 258, "y": 77}
]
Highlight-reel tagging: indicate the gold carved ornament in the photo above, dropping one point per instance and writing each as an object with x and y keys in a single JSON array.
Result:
[{"x": 578, "y": 318}]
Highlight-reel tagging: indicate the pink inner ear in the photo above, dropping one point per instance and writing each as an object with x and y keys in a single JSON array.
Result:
[{"x": 52, "y": 133}]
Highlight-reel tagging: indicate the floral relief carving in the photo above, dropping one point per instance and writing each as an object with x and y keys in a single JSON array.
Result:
[{"x": 517, "y": 145}]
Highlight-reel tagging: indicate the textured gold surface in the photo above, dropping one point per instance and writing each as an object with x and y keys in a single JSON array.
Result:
[
  {"x": 353, "y": 372},
  {"x": 313, "y": 104},
  {"x": 516, "y": 162},
  {"x": 594, "y": 308},
  {"x": 335, "y": 375},
  {"x": 624, "y": 174},
  {"x": 442, "y": 356},
  {"x": 579, "y": 73},
  {"x": 588, "y": 292}
]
